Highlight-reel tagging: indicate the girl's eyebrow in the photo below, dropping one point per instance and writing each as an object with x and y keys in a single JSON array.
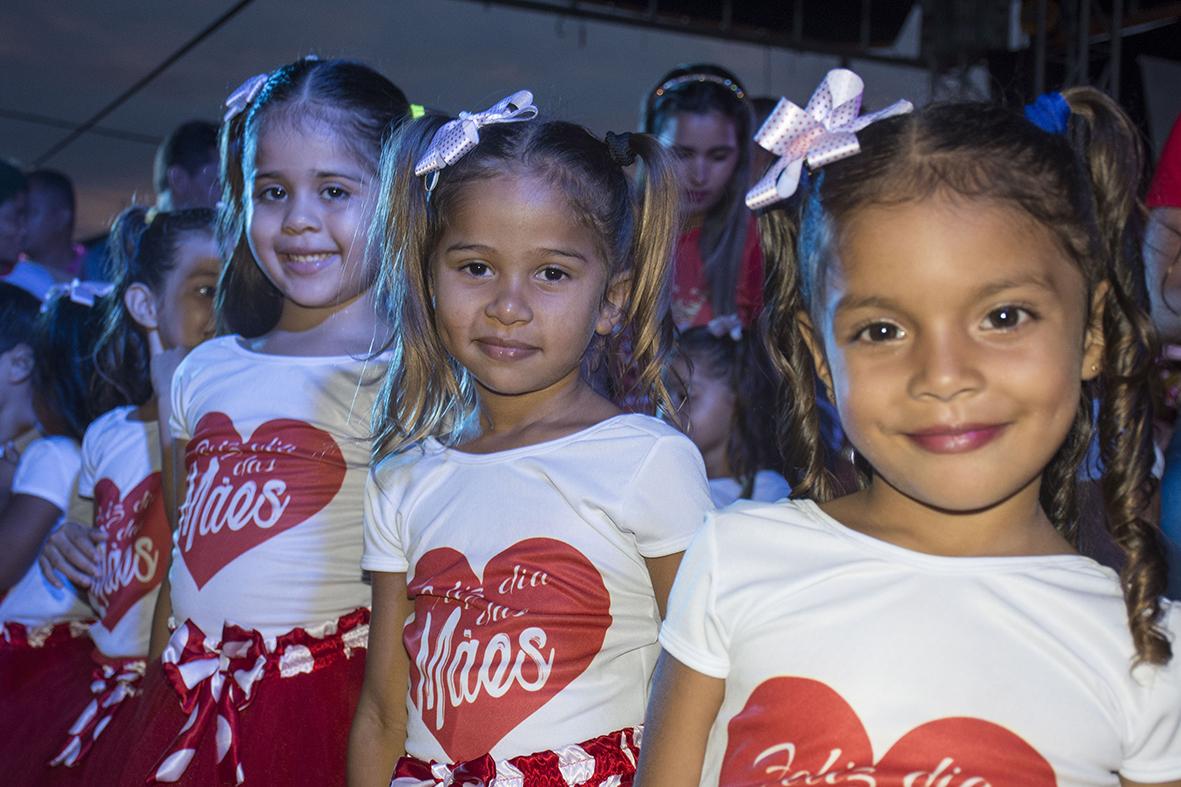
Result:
[
  {"x": 1031, "y": 280},
  {"x": 319, "y": 174},
  {"x": 849, "y": 303},
  {"x": 482, "y": 248}
]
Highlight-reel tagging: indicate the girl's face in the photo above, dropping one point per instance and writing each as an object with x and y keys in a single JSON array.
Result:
[
  {"x": 706, "y": 147},
  {"x": 307, "y": 213},
  {"x": 519, "y": 286},
  {"x": 184, "y": 307},
  {"x": 956, "y": 338},
  {"x": 707, "y": 411}
]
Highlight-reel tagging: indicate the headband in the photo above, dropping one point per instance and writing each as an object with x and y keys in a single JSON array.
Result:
[
  {"x": 822, "y": 132},
  {"x": 456, "y": 137},
  {"x": 620, "y": 147},
  {"x": 685, "y": 79}
]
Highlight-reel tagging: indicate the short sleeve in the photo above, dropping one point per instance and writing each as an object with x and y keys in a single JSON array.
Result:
[
  {"x": 383, "y": 529},
  {"x": 1153, "y": 752},
  {"x": 692, "y": 631},
  {"x": 89, "y": 467},
  {"x": 48, "y": 469},
  {"x": 178, "y": 421},
  {"x": 667, "y": 498}
]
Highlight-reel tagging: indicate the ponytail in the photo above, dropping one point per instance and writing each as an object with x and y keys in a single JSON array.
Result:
[{"x": 1110, "y": 149}]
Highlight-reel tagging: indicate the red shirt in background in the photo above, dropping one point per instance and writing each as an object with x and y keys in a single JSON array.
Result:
[
  {"x": 1165, "y": 191},
  {"x": 691, "y": 306}
]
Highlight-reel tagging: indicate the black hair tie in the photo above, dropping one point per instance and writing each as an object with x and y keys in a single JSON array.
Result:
[{"x": 620, "y": 148}]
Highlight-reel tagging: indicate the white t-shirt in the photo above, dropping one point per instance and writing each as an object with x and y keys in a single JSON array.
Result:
[
  {"x": 534, "y": 618},
  {"x": 48, "y": 469},
  {"x": 769, "y": 486},
  {"x": 270, "y": 532},
  {"x": 849, "y": 659},
  {"x": 121, "y": 474}
]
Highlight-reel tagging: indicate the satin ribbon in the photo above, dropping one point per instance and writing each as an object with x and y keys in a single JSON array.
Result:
[
  {"x": 480, "y": 772},
  {"x": 456, "y": 137},
  {"x": 822, "y": 132},
  {"x": 17, "y": 636},
  {"x": 214, "y": 683},
  {"x": 83, "y": 292},
  {"x": 112, "y": 682},
  {"x": 243, "y": 95}
]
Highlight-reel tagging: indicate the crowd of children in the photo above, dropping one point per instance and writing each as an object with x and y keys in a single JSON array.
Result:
[{"x": 401, "y": 468}]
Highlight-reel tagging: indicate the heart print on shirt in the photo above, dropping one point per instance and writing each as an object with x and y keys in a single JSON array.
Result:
[
  {"x": 135, "y": 555},
  {"x": 799, "y": 731},
  {"x": 486, "y": 653},
  {"x": 242, "y": 492}
]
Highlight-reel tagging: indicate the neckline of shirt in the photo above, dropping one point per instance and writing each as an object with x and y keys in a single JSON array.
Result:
[
  {"x": 945, "y": 563},
  {"x": 234, "y": 341},
  {"x": 467, "y": 457}
]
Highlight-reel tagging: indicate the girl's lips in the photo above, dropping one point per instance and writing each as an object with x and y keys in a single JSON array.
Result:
[
  {"x": 504, "y": 349},
  {"x": 308, "y": 263},
  {"x": 956, "y": 439}
]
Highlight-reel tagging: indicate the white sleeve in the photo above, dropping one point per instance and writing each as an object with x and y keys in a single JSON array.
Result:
[
  {"x": 1152, "y": 752},
  {"x": 383, "y": 529},
  {"x": 693, "y": 631},
  {"x": 178, "y": 423},
  {"x": 667, "y": 498},
  {"x": 48, "y": 469},
  {"x": 86, "y": 475}
]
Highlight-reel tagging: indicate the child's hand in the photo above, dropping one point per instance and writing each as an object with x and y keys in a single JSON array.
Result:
[
  {"x": 74, "y": 550},
  {"x": 164, "y": 363}
]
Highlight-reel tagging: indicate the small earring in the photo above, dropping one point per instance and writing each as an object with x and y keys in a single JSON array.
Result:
[{"x": 1094, "y": 367}]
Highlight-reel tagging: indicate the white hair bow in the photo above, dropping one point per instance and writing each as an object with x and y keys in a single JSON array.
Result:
[
  {"x": 246, "y": 92},
  {"x": 83, "y": 292},
  {"x": 457, "y": 137},
  {"x": 819, "y": 134}
]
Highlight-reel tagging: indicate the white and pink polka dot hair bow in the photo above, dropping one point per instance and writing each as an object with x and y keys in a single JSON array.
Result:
[
  {"x": 819, "y": 134},
  {"x": 456, "y": 137}
]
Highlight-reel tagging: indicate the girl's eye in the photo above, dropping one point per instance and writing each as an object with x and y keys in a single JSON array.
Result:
[
  {"x": 272, "y": 193},
  {"x": 476, "y": 268},
  {"x": 206, "y": 291},
  {"x": 334, "y": 192},
  {"x": 878, "y": 332},
  {"x": 553, "y": 274},
  {"x": 1006, "y": 318}
]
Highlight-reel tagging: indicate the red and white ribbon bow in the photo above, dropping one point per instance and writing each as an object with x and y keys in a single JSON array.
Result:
[
  {"x": 214, "y": 684},
  {"x": 456, "y": 137},
  {"x": 819, "y": 134},
  {"x": 113, "y": 682}
]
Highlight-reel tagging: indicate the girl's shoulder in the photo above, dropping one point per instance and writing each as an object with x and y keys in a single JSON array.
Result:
[{"x": 114, "y": 421}]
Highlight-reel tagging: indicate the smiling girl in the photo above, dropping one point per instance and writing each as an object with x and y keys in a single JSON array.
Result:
[
  {"x": 522, "y": 552},
  {"x": 965, "y": 287},
  {"x": 270, "y": 447}
]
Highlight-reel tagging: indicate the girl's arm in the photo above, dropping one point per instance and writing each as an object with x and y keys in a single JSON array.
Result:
[
  {"x": 681, "y": 711},
  {"x": 378, "y": 736},
  {"x": 662, "y": 571},
  {"x": 24, "y": 523}
]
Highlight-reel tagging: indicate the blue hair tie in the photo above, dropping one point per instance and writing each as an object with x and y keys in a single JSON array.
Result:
[{"x": 1049, "y": 113}]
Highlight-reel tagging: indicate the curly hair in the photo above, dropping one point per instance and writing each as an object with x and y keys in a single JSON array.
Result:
[
  {"x": 1083, "y": 188},
  {"x": 636, "y": 231}
]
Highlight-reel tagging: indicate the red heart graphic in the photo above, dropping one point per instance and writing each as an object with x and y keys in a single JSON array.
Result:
[
  {"x": 799, "y": 731},
  {"x": 135, "y": 555},
  {"x": 485, "y": 655},
  {"x": 242, "y": 493}
]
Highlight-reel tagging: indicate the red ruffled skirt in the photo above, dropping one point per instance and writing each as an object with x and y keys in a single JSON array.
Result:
[{"x": 239, "y": 711}]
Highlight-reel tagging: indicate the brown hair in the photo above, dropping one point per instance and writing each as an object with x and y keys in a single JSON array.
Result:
[
  {"x": 364, "y": 109},
  {"x": 1082, "y": 187},
  {"x": 423, "y": 397}
]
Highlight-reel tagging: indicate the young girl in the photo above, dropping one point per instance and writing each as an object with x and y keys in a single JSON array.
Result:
[
  {"x": 726, "y": 407},
  {"x": 701, "y": 113},
  {"x": 964, "y": 286},
  {"x": 262, "y": 672},
  {"x": 167, "y": 267},
  {"x": 42, "y": 624},
  {"x": 522, "y": 552}
]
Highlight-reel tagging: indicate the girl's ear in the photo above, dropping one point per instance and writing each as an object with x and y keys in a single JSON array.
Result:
[
  {"x": 614, "y": 305},
  {"x": 20, "y": 364},
  {"x": 1093, "y": 343},
  {"x": 141, "y": 305},
  {"x": 816, "y": 350}
]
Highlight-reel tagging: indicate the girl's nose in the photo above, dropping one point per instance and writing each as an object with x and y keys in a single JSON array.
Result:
[
  {"x": 509, "y": 304},
  {"x": 699, "y": 171},
  {"x": 945, "y": 366},
  {"x": 301, "y": 215}
]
